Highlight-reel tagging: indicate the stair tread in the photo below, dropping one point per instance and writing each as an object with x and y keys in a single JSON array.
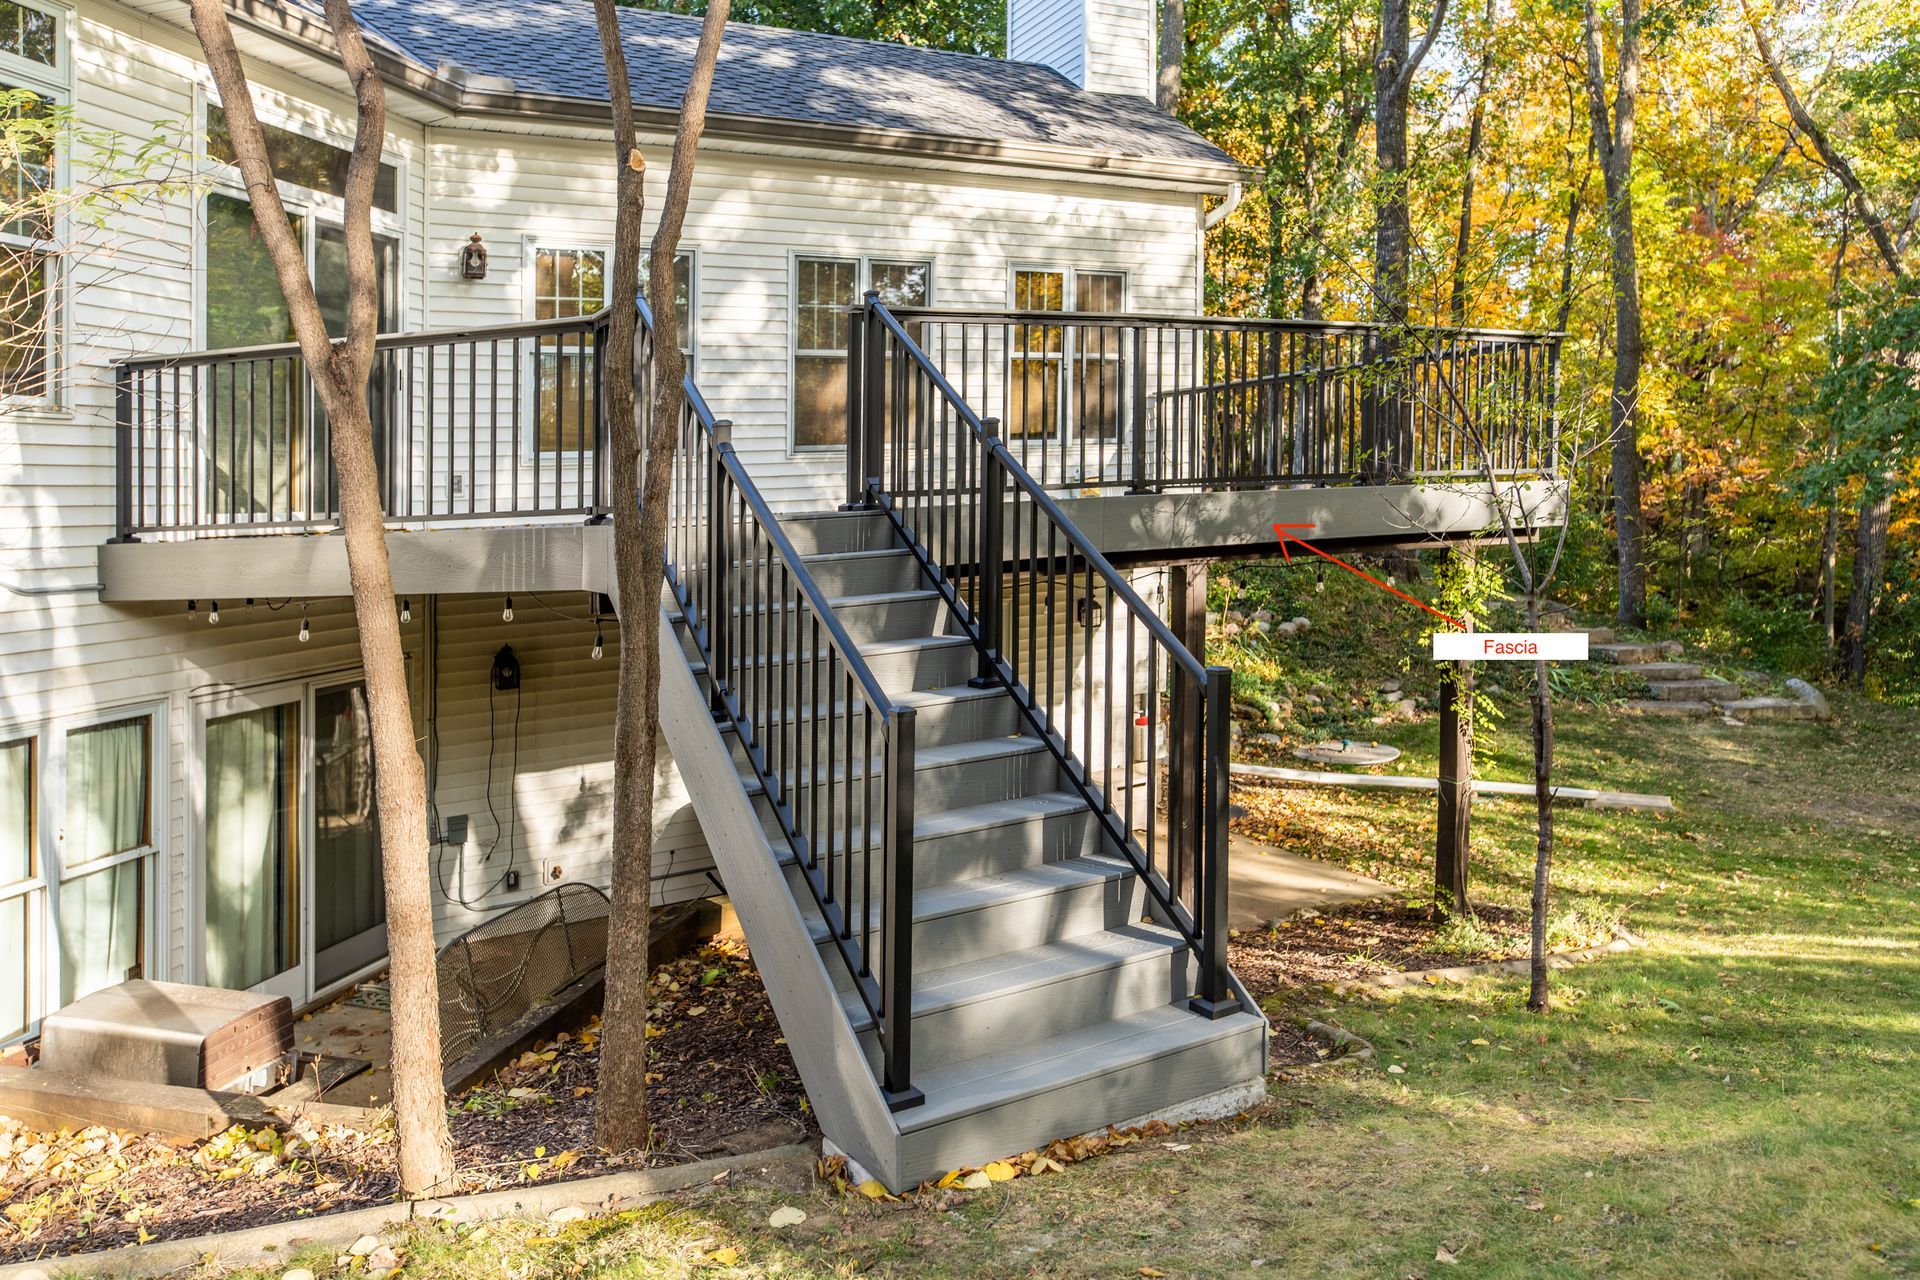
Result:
[
  {"x": 1012, "y": 972},
  {"x": 958, "y": 1089},
  {"x": 868, "y": 649},
  {"x": 918, "y": 699},
  {"x": 982, "y": 892},
  {"x": 976, "y": 817}
]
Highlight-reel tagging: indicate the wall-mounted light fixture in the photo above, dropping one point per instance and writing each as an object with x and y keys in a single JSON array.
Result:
[{"x": 473, "y": 259}]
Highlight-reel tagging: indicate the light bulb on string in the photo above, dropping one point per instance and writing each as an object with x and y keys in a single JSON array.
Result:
[
  {"x": 213, "y": 615},
  {"x": 406, "y": 610},
  {"x": 306, "y": 632},
  {"x": 193, "y": 611},
  {"x": 506, "y": 614},
  {"x": 598, "y": 647}
]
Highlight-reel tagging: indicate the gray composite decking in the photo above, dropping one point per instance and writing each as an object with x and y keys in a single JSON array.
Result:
[{"x": 1046, "y": 1000}]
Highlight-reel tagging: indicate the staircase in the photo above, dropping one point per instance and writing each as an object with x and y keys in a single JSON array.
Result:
[
  {"x": 969, "y": 949},
  {"x": 1678, "y": 689}
]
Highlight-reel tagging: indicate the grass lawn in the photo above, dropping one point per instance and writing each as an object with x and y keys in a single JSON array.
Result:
[{"x": 1741, "y": 1098}]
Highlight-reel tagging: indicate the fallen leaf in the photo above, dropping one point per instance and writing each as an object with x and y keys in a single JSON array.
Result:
[
  {"x": 1151, "y": 1272},
  {"x": 872, "y": 1189},
  {"x": 725, "y": 1257},
  {"x": 976, "y": 1181},
  {"x": 1000, "y": 1171},
  {"x": 1444, "y": 1254},
  {"x": 786, "y": 1216}
]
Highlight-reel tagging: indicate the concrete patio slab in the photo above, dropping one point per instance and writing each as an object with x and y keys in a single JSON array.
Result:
[{"x": 1265, "y": 884}]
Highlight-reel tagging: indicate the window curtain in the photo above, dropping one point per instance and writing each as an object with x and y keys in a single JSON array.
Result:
[
  {"x": 16, "y": 812},
  {"x": 100, "y": 929},
  {"x": 14, "y": 979},
  {"x": 106, "y": 791},
  {"x": 247, "y": 827}
]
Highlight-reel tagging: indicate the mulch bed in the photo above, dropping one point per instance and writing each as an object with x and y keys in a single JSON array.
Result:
[
  {"x": 1294, "y": 961},
  {"x": 720, "y": 1080}
]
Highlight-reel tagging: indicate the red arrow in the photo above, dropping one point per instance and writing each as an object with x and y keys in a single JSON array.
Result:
[{"x": 1280, "y": 531}]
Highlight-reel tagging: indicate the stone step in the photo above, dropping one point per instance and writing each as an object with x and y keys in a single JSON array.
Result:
[
  {"x": 1635, "y": 652},
  {"x": 1661, "y": 671},
  {"x": 1711, "y": 689},
  {"x": 1771, "y": 709},
  {"x": 1671, "y": 710}
]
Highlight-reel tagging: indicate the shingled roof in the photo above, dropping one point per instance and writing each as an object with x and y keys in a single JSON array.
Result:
[{"x": 551, "y": 48}]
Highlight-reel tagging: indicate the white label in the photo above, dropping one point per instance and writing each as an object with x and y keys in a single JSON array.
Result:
[{"x": 1510, "y": 646}]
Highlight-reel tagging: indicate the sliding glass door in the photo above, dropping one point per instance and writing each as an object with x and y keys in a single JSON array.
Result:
[{"x": 294, "y": 901}]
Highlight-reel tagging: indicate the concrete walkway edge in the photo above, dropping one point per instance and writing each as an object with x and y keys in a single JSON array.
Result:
[{"x": 279, "y": 1240}]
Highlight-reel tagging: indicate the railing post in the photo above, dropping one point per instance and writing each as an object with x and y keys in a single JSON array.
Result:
[
  {"x": 720, "y": 565},
  {"x": 1553, "y": 405},
  {"x": 1138, "y": 483},
  {"x": 873, "y": 402},
  {"x": 123, "y": 461},
  {"x": 897, "y": 917},
  {"x": 857, "y": 320},
  {"x": 601, "y": 454},
  {"x": 990, "y": 555},
  {"x": 1215, "y": 998}
]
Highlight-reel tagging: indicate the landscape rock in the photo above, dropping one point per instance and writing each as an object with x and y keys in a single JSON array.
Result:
[
  {"x": 1302, "y": 623},
  {"x": 364, "y": 1246},
  {"x": 1812, "y": 697}
]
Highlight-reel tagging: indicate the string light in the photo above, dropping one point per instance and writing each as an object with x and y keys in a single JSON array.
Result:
[
  {"x": 506, "y": 614},
  {"x": 406, "y": 610},
  {"x": 598, "y": 647},
  {"x": 193, "y": 611},
  {"x": 213, "y": 615},
  {"x": 306, "y": 632}
]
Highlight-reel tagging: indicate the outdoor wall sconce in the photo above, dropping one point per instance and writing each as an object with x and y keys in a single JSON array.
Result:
[{"x": 473, "y": 259}]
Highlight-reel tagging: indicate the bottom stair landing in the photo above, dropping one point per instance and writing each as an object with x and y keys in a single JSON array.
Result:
[{"x": 1046, "y": 999}]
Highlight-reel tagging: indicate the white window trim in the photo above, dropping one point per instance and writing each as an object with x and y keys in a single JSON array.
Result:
[
  {"x": 52, "y": 815},
  {"x": 56, "y": 83},
  {"x": 33, "y": 887},
  {"x": 863, "y": 280},
  {"x": 218, "y": 178},
  {"x": 531, "y": 245},
  {"x": 1064, "y": 434}
]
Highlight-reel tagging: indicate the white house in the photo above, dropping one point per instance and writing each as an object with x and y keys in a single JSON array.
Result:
[{"x": 184, "y": 775}]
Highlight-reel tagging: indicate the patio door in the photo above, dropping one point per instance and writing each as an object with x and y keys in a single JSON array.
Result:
[
  {"x": 294, "y": 900},
  {"x": 349, "y": 892}
]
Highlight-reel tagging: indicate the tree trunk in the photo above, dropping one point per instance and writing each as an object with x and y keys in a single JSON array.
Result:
[
  {"x": 1869, "y": 567},
  {"x": 1829, "y": 557},
  {"x": 1538, "y": 998},
  {"x": 1613, "y": 136},
  {"x": 1173, "y": 52},
  {"x": 1476, "y": 137},
  {"x": 1453, "y": 843},
  {"x": 639, "y": 542},
  {"x": 340, "y": 373},
  {"x": 1390, "y": 416}
]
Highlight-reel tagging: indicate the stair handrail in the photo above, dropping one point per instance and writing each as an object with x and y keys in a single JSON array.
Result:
[
  {"x": 897, "y": 454},
  {"x": 726, "y": 550}
]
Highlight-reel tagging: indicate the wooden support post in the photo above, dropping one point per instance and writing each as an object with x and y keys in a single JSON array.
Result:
[
  {"x": 1456, "y": 787},
  {"x": 1186, "y": 790}
]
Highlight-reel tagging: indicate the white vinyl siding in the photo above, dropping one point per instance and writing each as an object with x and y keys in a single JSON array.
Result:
[
  {"x": 1107, "y": 46},
  {"x": 1053, "y": 32}
]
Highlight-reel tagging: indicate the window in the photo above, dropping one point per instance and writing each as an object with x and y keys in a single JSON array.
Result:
[
  {"x": 106, "y": 849},
  {"x": 29, "y": 33},
  {"x": 31, "y": 80},
  {"x": 19, "y": 887},
  {"x": 1043, "y": 398},
  {"x": 823, "y": 290},
  {"x": 300, "y": 161},
  {"x": 573, "y": 282}
]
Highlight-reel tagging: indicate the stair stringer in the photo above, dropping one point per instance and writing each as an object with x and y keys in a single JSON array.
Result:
[{"x": 840, "y": 1086}]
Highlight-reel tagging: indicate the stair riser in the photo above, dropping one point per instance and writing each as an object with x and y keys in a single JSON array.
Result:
[
  {"x": 829, "y": 534},
  {"x": 1010, "y": 926},
  {"x": 935, "y": 724},
  {"x": 866, "y": 575},
  {"x": 1078, "y": 1105},
  {"x": 865, "y": 622},
  {"x": 1692, "y": 690},
  {"x": 935, "y": 789},
  {"x": 985, "y": 851},
  {"x": 902, "y": 671},
  {"x": 967, "y": 1030}
]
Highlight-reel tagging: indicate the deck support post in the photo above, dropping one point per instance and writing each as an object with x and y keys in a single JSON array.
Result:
[{"x": 1453, "y": 836}]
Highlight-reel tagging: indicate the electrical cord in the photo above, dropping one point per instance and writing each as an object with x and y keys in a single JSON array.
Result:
[{"x": 513, "y": 810}]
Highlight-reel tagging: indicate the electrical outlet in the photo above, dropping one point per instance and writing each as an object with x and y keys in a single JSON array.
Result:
[
  {"x": 512, "y": 880},
  {"x": 455, "y": 829}
]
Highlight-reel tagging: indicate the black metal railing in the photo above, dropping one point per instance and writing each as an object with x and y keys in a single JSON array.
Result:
[
  {"x": 467, "y": 424},
  {"x": 1148, "y": 403},
  {"x": 1093, "y": 668},
  {"x": 834, "y": 755}
]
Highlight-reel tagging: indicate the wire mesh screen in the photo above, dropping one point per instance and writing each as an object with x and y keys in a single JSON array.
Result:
[{"x": 498, "y": 976}]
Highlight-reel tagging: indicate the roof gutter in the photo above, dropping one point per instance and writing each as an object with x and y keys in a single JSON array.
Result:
[{"x": 461, "y": 94}]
